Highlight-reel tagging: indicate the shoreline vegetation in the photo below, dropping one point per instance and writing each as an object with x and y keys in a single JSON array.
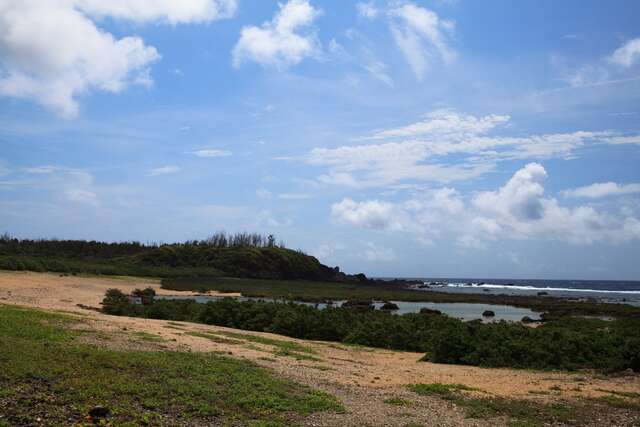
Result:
[
  {"x": 257, "y": 266},
  {"x": 567, "y": 343}
]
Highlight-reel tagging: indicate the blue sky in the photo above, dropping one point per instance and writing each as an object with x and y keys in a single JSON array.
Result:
[{"x": 424, "y": 138}]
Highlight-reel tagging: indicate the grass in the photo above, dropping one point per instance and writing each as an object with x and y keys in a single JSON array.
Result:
[
  {"x": 214, "y": 338},
  {"x": 439, "y": 389},
  {"x": 619, "y": 402},
  {"x": 398, "y": 401},
  {"x": 629, "y": 394},
  {"x": 283, "y": 348},
  {"x": 46, "y": 373},
  {"x": 521, "y": 413},
  {"x": 287, "y": 346}
]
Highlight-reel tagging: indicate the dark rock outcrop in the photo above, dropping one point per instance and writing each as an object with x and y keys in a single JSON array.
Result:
[{"x": 389, "y": 306}]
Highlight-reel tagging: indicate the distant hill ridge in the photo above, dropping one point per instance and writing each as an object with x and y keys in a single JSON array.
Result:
[{"x": 238, "y": 255}]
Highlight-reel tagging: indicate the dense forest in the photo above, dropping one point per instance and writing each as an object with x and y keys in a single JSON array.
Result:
[
  {"x": 238, "y": 255},
  {"x": 567, "y": 343}
]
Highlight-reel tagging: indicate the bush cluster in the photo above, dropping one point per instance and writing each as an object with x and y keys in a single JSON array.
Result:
[{"x": 569, "y": 343}]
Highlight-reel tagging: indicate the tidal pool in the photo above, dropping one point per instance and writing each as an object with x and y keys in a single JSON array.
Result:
[{"x": 459, "y": 310}]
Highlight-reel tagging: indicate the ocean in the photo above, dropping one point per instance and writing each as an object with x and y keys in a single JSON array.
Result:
[{"x": 613, "y": 291}]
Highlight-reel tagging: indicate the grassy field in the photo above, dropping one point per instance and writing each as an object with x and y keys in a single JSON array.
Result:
[
  {"x": 322, "y": 291},
  {"x": 49, "y": 377},
  {"x": 530, "y": 413}
]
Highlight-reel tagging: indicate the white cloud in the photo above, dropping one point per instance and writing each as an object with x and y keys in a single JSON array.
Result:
[
  {"x": 602, "y": 189},
  {"x": 618, "y": 140},
  {"x": 520, "y": 210},
  {"x": 627, "y": 54},
  {"x": 327, "y": 251},
  {"x": 376, "y": 253},
  {"x": 367, "y": 10},
  {"x": 378, "y": 70},
  {"x": 42, "y": 169},
  {"x": 422, "y": 37},
  {"x": 370, "y": 214},
  {"x": 78, "y": 195},
  {"x": 279, "y": 42},
  {"x": 294, "y": 196},
  {"x": 445, "y": 122},
  {"x": 211, "y": 152},
  {"x": 263, "y": 193},
  {"x": 422, "y": 151},
  {"x": 52, "y": 52},
  {"x": 164, "y": 170},
  {"x": 166, "y": 11},
  {"x": 520, "y": 197},
  {"x": 516, "y": 210}
]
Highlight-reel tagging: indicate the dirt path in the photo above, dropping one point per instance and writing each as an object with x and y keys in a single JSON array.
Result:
[{"x": 362, "y": 378}]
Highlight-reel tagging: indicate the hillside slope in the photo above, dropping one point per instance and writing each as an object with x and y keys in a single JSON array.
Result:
[{"x": 167, "y": 260}]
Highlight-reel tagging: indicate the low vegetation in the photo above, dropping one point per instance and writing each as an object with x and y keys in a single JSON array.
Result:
[
  {"x": 48, "y": 377},
  {"x": 568, "y": 343},
  {"x": 519, "y": 412}
]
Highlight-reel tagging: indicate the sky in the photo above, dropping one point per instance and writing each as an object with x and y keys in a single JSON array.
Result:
[{"x": 424, "y": 138}]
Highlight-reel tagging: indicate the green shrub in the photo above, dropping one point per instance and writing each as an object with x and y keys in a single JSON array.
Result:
[{"x": 568, "y": 344}]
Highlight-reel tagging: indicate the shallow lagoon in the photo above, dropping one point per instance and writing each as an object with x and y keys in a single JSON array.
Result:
[{"x": 462, "y": 311}]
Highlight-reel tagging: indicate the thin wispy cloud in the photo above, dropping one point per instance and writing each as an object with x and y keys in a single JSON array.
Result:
[
  {"x": 602, "y": 189},
  {"x": 422, "y": 37},
  {"x": 164, "y": 170},
  {"x": 212, "y": 152}
]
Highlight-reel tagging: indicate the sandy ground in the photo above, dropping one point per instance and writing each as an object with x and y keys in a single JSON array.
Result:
[{"x": 361, "y": 377}]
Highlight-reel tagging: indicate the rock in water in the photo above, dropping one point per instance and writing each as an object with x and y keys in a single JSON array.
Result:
[
  {"x": 389, "y": 306},
  {"x": 488, "y": 313}
]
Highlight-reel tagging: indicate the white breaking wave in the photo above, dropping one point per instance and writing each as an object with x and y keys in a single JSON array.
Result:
[{"x": 533, "y": 288}]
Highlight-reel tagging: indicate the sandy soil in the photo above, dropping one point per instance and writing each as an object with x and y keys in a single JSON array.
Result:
[{"x": 361, "y": 377}]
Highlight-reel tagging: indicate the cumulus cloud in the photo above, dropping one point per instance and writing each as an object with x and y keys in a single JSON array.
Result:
[
  {"x": 52, "y": 52},
  {"x": 421, "y": 151},
  {"x": 164, "y": 170},
  {"x": 422, "y": 37},
  {"x": 520, "y": 197},
  {"x": 517, "y": 210},
  {"x": 282, "y": 41},
  {"x": 627, "y": 54},
  {"x": 602, "y": 189},
  {"x": 212, "y": 152}
]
